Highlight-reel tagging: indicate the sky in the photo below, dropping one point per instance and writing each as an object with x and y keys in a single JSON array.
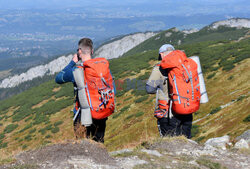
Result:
[{"x": 153, "y": 7}]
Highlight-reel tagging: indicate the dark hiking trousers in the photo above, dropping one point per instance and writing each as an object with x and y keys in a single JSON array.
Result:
[
  {"x": 175, "y": 126},
  {"x": 96, "y": 131}
]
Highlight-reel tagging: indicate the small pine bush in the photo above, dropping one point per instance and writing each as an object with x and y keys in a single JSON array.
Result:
[
  {"x": 55, "y": 130},
  {"x": 139, "y": 114},
  {"x": 247, "y": 119},
  {"x": 10, "y": 128},
  {"x": 215, "y": 110}
]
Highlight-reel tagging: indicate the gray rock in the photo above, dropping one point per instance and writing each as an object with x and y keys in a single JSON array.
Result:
[
  {"x": 241, "y": 144},
  {"x": 111, "y": 50},
  {"x": 219, "y": 142},
  {"x": 119, "y": 47},
  {"x": 192, "y": 141},
  {"x": 152, "y": 152},
  {"x": 245, "y": 136},
  {"x": 37, "y": 71},
  {"x": 120, "y": 152},
  {"x": 130, "y": 162},
  {"x": 234, "y": 22}
]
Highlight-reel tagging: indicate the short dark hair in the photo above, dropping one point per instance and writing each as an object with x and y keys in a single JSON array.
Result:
[{"x": 85, "y": 42}]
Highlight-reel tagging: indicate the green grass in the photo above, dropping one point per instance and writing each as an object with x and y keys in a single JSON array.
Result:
[
  {"x": 195, "y": 130},
  {"x": 215, "y": 110},
  {"x": 58, "y": 123},
  {"x": 32, "y": 131},
  {"x": 10, "y": 128},
  {"x": 141, "y": 99},
  {"x": 139, "y": 114},
  {"x": 55, "y": 130},
  {"x": 210, "y": 164},
  {"x": 241, "y": 98},
  {"x": 26, "y": 127},
  {"x": 199, "y": 139},
  {"x": 247, "y": 119},
  {"x": 2, "y": 136},
  {"x": 28, "y": 137},
  {"x": 45, "y": 129},
  {"x": 211, "y": 75},
  {"x": 3, "y": 145},
  {"x": 24, "y": 146},
  {"x": 121, "y": 111}
]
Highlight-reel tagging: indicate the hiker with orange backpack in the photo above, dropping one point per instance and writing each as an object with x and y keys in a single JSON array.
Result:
[
  {"x": 94, "y": 87},
  {"x": 176, "y": 84}
]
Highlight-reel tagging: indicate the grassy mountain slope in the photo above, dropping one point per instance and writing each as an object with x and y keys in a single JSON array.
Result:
[
  {"x": 42, "y": 114},
  {"x": 177, "y": 38},
  {"x": 228, "y": 108}
]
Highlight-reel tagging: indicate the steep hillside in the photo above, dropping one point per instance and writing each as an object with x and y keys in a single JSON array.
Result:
[
  {"x": 42, "y": 114},
  {"x": 118, "y": 47},
  {"x": 222, "y": 31},
  {"x": 11, "y": 84}
]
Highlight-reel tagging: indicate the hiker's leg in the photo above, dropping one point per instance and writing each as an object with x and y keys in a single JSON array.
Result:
[
  {"x": 166, "y": 126},
  {"x": 187, "y": 125},
  {"x": 175, "y": 123},
  {"x": 90, "y": 131},
  {"x": 100, "y": 126}
]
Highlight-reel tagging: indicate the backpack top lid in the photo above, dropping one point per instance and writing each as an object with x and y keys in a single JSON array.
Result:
[
  {"x": 97, "y": 67},
  {"x": 173, "y": 59}
]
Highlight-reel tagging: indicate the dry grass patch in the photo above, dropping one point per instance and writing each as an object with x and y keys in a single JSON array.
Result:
[
  {"x": 41, "y": 104},
  {"x": 56, "y": 89}
]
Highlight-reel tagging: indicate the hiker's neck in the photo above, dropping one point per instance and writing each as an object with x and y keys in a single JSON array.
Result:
[{"x": 86, "y": 57}]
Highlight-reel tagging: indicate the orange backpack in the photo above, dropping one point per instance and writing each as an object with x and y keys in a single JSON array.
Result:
[
  {"x": 184, "y": 88},
  {"x": 99, "y": 87}
]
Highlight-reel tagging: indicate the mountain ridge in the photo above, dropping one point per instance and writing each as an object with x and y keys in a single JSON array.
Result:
[
  {"x": 58, "y": 64},
  {"x": 108, "y": 50},
  {"x": 41, "y": 115}
]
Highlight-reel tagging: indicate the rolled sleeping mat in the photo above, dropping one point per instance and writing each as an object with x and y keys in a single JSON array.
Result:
[
  {"x": 86, "y": 117},
  {"x": 204, "y": 96}
]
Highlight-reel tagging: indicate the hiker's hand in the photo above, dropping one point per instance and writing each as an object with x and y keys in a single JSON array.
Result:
[{"x": 75, "y": 58}]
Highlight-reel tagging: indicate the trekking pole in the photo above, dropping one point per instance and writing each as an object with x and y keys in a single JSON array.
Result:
[{"x": 76, "y": 114}]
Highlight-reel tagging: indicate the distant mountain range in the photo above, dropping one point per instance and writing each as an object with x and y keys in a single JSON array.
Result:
[{"x": 30, "y": 37}]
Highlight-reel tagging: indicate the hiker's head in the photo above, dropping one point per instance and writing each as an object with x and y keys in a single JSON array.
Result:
[
  {"x": 85, "y": 48},
  {"x": 165, "y": 50}
]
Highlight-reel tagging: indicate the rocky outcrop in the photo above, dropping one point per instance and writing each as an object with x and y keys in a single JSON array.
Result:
[
  {"x": 234, "y": 22},
  {"x": 85, "y": 154},
  {"x": 169, "y": 152},
  {"x": 241, "y": 144},
  {"x": 245, "y": 136},
  {"x": 111, "y": 50},
  {"x": 219, "y": 142},
  {"x": 37, "y": 71},
  {"x": 119, "y": 47}
]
